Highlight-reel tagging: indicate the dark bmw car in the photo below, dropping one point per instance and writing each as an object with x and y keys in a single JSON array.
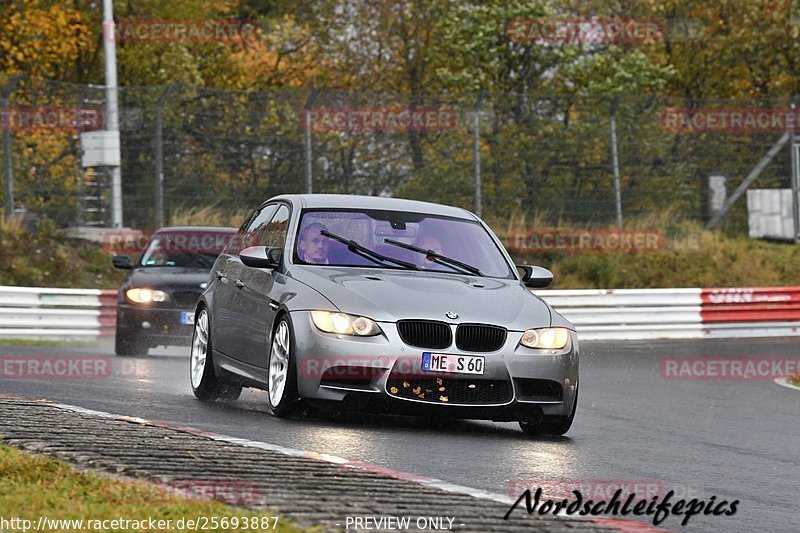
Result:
[{"x": 157, "y": 300}]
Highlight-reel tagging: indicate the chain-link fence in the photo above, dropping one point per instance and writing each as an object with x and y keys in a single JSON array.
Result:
[{"x": 548, "y": 160}]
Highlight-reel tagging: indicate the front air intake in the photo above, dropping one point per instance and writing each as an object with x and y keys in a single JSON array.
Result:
[{"x": 427, "y": 334}]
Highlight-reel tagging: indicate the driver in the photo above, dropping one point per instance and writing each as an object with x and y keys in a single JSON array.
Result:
[{"x": 312, "y": 247}]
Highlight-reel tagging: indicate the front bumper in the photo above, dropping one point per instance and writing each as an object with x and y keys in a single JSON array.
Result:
[
  {"x": 154, "y": 325},
  {"x": 383, "y": 373}
]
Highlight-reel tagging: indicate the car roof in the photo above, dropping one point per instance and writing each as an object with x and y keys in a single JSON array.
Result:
[
  {"x": 206, "y": 229},
  {"x": 352, "y": 201}
]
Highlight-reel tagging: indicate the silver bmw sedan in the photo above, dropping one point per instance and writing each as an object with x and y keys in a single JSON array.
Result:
[{"x": 385, "y": 305}]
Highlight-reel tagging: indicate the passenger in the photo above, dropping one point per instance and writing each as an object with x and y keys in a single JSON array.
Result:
[
  {"x": 428, "y": 242},
  {"x": 312, "y": 247}
]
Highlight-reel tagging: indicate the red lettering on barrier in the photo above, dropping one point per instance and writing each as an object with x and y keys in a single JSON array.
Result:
[{"x": 758, "y": 304}]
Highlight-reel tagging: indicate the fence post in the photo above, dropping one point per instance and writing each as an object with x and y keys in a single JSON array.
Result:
[
  {"x": 307, "y": 123},
  {"x": 795, "y": 182},
  {"x": 7, "y": 163},
  {"x": 476, "y": 154},
  {"x": 159, "y": 218},
  {"x": 615, "y": 161}
]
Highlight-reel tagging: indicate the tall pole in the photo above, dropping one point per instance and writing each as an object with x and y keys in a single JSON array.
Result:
[
  {"x": 615, "y": 162},
  {"x": 112, "y": 113}
]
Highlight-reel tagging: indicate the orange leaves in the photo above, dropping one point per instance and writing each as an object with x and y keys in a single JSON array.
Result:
[{"x": 40, "y": 39}]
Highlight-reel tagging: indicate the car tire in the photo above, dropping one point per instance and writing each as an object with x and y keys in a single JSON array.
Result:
[
  {"x": 281, "y": 371},
  {"x": 550, "y": 426},
  {"x": 206, "y": 385},
  {"x": 128, "y": 345}
]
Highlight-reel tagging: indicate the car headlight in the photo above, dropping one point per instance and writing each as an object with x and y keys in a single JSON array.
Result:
[
  {"x": 344, "y": 324},
  {"x": 146, "y": 296},
  {"x": 546, "y": 338}
]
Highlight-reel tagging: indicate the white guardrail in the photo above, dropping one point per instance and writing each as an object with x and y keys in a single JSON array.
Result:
[
  {"x": 623, "y": 314},
  {"x": 56, "y": 314},
  {"x": 629, "y": 314}
]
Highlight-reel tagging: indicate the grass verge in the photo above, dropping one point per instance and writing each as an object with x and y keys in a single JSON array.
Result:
[
  {"x": 795, "y": 380},
  {"x": 32, "y": 486}
]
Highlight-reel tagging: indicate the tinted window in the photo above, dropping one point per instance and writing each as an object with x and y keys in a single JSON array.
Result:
[
  {"x": 184, "y": 249},
  {"x": 273, "y": 234},
  {"x": 247, "y": 234},
  {"x": 460, "y": 239}
]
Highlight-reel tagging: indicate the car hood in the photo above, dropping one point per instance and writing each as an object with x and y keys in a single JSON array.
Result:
[
  {"x": 388, "y": 296},
  {"x": 172, "y": 277}
]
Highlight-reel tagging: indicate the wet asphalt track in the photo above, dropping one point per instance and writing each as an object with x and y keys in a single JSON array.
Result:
[{"x": 733, "y": 439}]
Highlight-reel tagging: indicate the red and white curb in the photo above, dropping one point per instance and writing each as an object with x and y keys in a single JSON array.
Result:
[{"x": 623, "y": 526}]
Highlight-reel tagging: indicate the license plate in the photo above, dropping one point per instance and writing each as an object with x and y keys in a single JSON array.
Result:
[
  {"x": 454, "y": 364},
  {"x": 187, "y": 317}
]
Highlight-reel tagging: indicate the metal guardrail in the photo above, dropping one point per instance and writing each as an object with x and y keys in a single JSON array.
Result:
[
  {"x": 629, "y": 314},
  {"x": 624, "y": 314},
  {"x": 641, "y": 314},
  {"x": 56, "y": 314}
]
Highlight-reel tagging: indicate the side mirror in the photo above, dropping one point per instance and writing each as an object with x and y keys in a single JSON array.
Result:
[
  {"x": 535, "y": 277},
  {"x": 122, "y": 262},
  {"x": 260, "y": 257}
]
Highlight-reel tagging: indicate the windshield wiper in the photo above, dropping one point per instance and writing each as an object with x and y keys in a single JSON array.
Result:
[
  {"x": 366, "y": 253},
  {"x": 437, "y": 257}
]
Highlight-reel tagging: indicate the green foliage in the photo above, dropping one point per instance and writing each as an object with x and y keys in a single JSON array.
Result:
[
  {"x": 47, "y": 259},
  {"x": 690, "y": 257}
]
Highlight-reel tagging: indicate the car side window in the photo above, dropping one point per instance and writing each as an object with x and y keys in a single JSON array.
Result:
[
  {"x": 273, "y": 234},
  {"x": 248, "y": 234}
]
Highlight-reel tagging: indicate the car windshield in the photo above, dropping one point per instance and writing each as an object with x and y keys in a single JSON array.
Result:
[
  {"x": 462, "y": 240},
  {"x": 184, "y": 249}
]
